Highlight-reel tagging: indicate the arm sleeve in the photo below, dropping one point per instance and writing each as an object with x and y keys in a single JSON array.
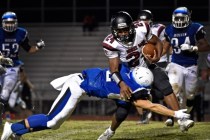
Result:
[
  {"x": 25, "y": 44},
  {"x": 200, "y": 34}
]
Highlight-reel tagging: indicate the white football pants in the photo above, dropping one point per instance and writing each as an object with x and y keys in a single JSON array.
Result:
[
  {"x": 76, "y": 92},
  {"x": 8, "y": 81},
  {"x": 183, "y": 80}
]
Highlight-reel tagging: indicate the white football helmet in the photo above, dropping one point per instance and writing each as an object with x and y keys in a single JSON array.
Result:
[{"x": 143, "y": 76}]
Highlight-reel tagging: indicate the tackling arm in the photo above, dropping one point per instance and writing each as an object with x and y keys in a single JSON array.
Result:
[
  {"x": 160, "y": 109},
  {"x": 125, "y": 91}
]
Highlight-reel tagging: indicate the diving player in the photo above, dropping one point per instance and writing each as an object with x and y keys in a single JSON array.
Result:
[{"x": 93, "y": 82}]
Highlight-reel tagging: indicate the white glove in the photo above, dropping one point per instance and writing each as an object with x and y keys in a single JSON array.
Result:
[
  {"x": 180, "y": 114},
  {"x": 187, "y": 47},
  {"x": 6, "y": 61},
  {"x": 40, "y": 44}
]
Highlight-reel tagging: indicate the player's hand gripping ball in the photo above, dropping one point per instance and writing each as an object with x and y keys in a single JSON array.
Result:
[{"x": 148, "y": 49}]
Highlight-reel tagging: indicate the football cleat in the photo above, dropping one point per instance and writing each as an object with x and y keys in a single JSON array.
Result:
[
  {"x": 169, "y": 122},
  {"x": 145, "y": 117},
  {"x": 145, "y": 121},
  {"x": 16, "y": 137},
  {"x": 7, "y": 132},
  {"x": 185, "y": 124},
  {"x": 106, "y": 135}
]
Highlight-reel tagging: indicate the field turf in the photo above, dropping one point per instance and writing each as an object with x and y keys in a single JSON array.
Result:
[{"x": 90, "y": 130}]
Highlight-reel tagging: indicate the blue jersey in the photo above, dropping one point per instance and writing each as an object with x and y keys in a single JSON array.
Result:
[
  {"x": 11, "y": 42},
  {"x": 189, "y": 35},
  {"x": 98, "y": 82}
]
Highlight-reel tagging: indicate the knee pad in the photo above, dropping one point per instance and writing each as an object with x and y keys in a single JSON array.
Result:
[{"x": 122, "y": 113}]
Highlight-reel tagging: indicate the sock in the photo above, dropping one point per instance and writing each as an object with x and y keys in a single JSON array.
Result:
[
  {"x": 36, "y": 123},
  {"x": 189, "y": 105},
  {"x": 109, "y": 129},
  {"x": 18, "y": 126}
]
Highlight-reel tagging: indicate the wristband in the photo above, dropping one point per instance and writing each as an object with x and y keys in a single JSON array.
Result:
[{"x": 116, "y": 77}]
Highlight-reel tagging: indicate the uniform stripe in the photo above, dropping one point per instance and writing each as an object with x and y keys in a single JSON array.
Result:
[
  {"x": 60, "y": 105},
  {"x": 160, "y": 30},
  {"x": 148, "y": 29},
  {"x": 108, "y": 47}
]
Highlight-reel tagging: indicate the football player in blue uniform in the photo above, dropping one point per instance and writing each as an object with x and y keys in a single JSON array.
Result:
[
  {"x": 93, "y": 82},
  {"x": 187, "y": 38},
  {"x": 12, "y": 38}
]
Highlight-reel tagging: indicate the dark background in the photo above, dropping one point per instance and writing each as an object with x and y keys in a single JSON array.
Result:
[{"x": 53, "y": 11}]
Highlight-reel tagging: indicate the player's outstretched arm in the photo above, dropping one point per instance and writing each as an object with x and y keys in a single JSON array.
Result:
[{"x": 160, "y": 109}]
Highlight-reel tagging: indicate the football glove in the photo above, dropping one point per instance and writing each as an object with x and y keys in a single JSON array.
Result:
[
  {"x": 40, "y": 44},
  {"x": 6, "y": 61},
  {"x": 187, "y": 47},
  {"x": 180, "y": 114}
]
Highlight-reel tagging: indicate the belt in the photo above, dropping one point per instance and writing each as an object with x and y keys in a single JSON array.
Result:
[{"x": 82, "y": 76}]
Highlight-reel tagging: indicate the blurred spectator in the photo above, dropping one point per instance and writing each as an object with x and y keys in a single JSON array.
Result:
[{"x": 89, "y": 24}]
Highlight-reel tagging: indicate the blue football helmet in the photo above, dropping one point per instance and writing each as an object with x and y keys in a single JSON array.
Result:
[
  {"x": 181, "y": 17},
  {"x": 9, "y": 22}
]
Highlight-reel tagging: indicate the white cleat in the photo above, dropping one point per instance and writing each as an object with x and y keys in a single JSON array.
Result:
[
  {"x": 145, "y": 118},
  {"x": 185, "y": 124},
  {"x": 7, "y": 132},
  {"x": 106, "y": 135},
  {"x": 169, "y": 122},
  {"x": 15, "y": 137}
]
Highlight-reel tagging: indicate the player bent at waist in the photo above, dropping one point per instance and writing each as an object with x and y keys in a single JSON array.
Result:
[{"x": 93, "y": 82}]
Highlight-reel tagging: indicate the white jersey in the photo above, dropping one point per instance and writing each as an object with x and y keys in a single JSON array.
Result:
[
  {"x": 129, "y": 55},
  {"x": 158, "y": 30}
]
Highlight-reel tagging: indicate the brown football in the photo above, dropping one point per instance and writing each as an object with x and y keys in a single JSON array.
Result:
[{"x": 148, "y": 49}]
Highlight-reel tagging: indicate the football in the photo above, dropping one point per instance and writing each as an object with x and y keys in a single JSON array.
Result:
[{"x": 148, "y": 49}]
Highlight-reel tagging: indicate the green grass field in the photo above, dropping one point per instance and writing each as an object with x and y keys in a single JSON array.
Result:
[{"x": 90, "y": 130}]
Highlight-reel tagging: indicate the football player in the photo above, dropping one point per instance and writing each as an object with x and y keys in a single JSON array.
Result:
[
  {"x": 158, "y": 30},
  {"x": 93, "y": 82},
  {"x": 12, "y": 38},
  {"x": 187, "y": 38},
  {"x": 123, "y": 46}
]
